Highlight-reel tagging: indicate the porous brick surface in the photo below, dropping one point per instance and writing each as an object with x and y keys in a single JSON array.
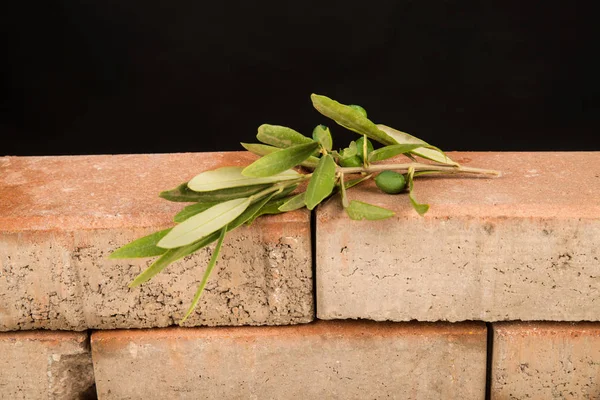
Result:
[
  {"x": 60, "y": 218},
  {"x": 323, "y": 360},
  {"x": 525, "y": 246},
  {"x": 45, "y": 365},
  {"x": 546, "y": 361}
]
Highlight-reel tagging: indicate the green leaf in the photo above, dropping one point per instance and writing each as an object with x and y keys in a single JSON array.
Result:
[
  {"x": 192, "y": 210},
  {"x": 205, "y": 223},
  {"x": 231, "y": 177},
  {"x": 419, "y": 207},
  {"x": 322, "y": 135},
  {"x": 173, "y": 255},
  {"x": 280, "y": 136},
  {"x": 358, "y": 210},
  {"x": 427, "y": 151},
  {"x": 293, "y": 203},
  {"x": 184, "y": 194},
  {"x": 280, "y": 161},
  {"x": 167, "y": 258},
  {"x": 342, "y": 188},
  {"x": 272, "y": 207},
  {"x": 349, "y": 151},
  {"x": 391, "y": 151},
  {"x": 321, "y": 183},
  {"x": 209, "y": 268},
  {"x": 353, "y": 182},
  {"x": 263, "y": 149},
  {"x": 142, "y": 247},
  {"x": 285, "y": 192},
  {"x": 349, "y": 118}
]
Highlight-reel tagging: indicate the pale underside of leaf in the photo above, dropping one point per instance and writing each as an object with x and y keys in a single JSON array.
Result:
[
  {"x": 173, "y": 255},
  {"x": 358, "y": 210},
  {"x": 432, "y": 154},
  {"x": 321, "y": 183},
  {"x": 205, "y": 223},
  {"x": 280, "y": 161},
  {"x": 230, "y": 177},
  {"x": 191, "y": 210}
]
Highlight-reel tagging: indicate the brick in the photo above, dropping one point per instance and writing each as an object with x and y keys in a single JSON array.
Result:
[
  {"x": 60, "y": 217},
  {"x": 323, "y": 360},
  {"x": 546, "y": 360},
  {"x": 525, "y": 246},
  {"x": 45, "y": 365}
]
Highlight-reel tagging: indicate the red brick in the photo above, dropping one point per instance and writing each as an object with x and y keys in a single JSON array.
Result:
[
  {"x": 546, "y": 360},
  {"x": 45, "y": 365},
  {"x": 60, "y": 217},
  {"x": 524, "y": 246},
  {"x": 323, "y": 360}
]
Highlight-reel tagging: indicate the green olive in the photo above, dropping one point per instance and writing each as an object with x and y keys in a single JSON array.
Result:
[
  {"x": 354, "y": 161},
  {"x": 359, "y": 146},
  {"x": 390, "y": 182},
  {"x": 359, "y": 109}
]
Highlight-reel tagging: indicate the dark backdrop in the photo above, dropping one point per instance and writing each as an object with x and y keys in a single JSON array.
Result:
[{"x": 90, "y": 77}]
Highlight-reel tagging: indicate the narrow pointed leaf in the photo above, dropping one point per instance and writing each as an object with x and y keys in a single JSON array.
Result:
[
  {"x": 419, "y": 207},
  {"x": 427, "y": 151},
  {"x": 205, "y": 223},
  {"x": 263, "y": 149},
  {"x": 322, "y": 135},
  {"x": 294, "y": 203},
  {"x": 192, "y": 210},
  {"x": 167, "y": 258},
  {"x": 280, "y": 161},
  {"x": 321, "y": 183},
  {"x": 173, "y": 255},
  {"x": 183, "y": 193},
  {"x": 281, "y": 136},
  {"x": 391, "y": 151},
  {"x": 231, "y": 177},
  {"x": 342, "y": 186},
  {"x": 209, "y": 268},
  {"x": 358, "y": 210},
  {"x": 142, "y": 247},
  {"x": 349, "y": 151},
  {"x": 271, "y": 207},
  {"x": 349, "y": 118}
]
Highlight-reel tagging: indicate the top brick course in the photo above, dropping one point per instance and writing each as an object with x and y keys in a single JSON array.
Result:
[
  {"x": 524, "y": 246},
  {"x": 60, "y": 217}
]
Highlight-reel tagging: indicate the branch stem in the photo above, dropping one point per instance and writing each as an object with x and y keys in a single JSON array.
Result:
[{"x": 418, "y": 167}]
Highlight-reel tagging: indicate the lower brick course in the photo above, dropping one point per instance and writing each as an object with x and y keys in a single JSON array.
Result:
[
  {"x": 546, "y": 361},
  {"x": 45, "y": 365},
  {"x": 323, "y": 360}
]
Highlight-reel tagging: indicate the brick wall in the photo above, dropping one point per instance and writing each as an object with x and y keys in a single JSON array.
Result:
[{"x": 401, "y": 297}]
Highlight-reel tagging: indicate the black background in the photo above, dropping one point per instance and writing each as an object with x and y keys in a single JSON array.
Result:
[{"x": 97, "y": 77}]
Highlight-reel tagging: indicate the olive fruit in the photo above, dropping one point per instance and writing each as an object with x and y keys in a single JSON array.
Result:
[
  {"x": 359, "y": 146},
  {"x": 354, "y": 161},
  {"x": 359, "y": 109},
  {"x": 390, "y": 182}
]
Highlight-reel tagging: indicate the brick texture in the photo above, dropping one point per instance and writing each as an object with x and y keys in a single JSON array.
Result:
[
  {"x": 525, "y": 246},
  {"x": 45, "y": 365},
  {"x": 324, "y": 360},
  {"x": 60, "y": 217},
  {"x": 546, "y": 361}
]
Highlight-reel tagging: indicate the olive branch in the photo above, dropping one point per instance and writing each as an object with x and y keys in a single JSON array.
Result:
[{"x": 225, "y": 198}]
